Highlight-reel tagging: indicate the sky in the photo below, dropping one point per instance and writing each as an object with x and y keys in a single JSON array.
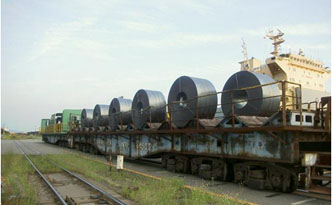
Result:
[{"x": 78, "y": 53}]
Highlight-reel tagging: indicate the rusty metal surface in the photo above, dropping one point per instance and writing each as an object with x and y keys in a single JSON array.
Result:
[
  {"x": 320, "y": 190},
  {"x": 243, "y": 121},
  {"x": 217, "y": 130},
  {"x": 204, "y": 123},
  {"x": 252, "y": 121},
  {"x": 151, "y": 126},
  {"x": 254, "y": 145},
  {"x": 312, "y": 195},
  {"x": 279, "y": 144}
]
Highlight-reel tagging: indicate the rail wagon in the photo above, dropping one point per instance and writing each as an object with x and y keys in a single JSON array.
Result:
[
  {"x": 265, "y": 149},
  {"x": 263, "y": 129},
  {"x": 59, "y": 124}
]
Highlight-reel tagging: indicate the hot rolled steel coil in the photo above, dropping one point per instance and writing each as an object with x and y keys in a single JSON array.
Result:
[
  {"x": 87, "y": 118},
  {"x": 190, "y": 98},
  {"x": 148, "y": 106},
  {"x": 259, "y": 101},
  {"x": 120, "y": 112},
  {"x": 100, "y": 116}
]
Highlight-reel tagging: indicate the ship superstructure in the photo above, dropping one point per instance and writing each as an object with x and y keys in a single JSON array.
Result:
[{"x": 297, "y": 68}]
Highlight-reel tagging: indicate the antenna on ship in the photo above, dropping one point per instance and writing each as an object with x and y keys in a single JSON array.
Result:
[
  {"x": 277, "y": 40},
  {"x": 245, "y": 55}
]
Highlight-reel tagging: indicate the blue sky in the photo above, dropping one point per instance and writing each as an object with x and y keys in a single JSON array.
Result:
[{"x": 77, "y": 53}]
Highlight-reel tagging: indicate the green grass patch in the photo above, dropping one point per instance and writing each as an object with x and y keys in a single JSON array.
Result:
[
  {"x": 16, "y": 188},
  {"x": 19, "y": 136},
  {"x": 138, "y": 188},
  {"x": 141, "y": 189}
]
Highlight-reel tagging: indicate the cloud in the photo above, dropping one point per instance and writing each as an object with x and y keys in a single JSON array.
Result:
[
  {"x": 198, "y": 7},
  {"x": 140, "y": 26},
  {"x": 94, "y": 48},
  {"x": 308, "y": 29},
  {"x": 294, "y": 29},
  {"x": 191, "y": 5},
  {"x": 308, "y": 46},
  {"x": 57, "y": 35},
  {"x": 134, "y": 14},
  {"x": 184, "y": 40}
]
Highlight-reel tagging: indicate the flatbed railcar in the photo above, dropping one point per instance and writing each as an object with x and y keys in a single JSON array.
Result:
[{"x": 288, "y": 150}]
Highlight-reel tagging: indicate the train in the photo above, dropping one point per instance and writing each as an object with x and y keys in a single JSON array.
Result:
[{"x": 257, "y": 131}]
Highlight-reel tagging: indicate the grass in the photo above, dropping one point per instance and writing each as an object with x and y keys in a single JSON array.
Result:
[
  {"x": 13, "y": 136},
  {"x": 16, "y": 188},
  {"x": 138, "y": 188},
  {"x": 143, "y": 190}
]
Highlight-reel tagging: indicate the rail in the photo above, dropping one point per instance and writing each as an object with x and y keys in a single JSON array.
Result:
[
  {"x": 107, "y": 195},
  {"x": 57, "y": 194},
  {"x": 104, "y": 193}
]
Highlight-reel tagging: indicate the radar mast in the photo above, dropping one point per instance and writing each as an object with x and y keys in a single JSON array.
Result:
[{"x": 277, "y": 40}]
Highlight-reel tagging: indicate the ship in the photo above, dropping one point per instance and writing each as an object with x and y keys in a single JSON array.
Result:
[{"x": 309, "y": 73}]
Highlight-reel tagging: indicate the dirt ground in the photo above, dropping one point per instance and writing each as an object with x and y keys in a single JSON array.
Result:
[{"x": 43, "y": 194}]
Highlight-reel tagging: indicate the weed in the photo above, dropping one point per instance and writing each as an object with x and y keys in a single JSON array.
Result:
[
  {"x": 143, "y": 190},
  {"x": 15, "y": 169},
  {"x": 13, "y": 136},
  {"x": 136, "y": 187}
]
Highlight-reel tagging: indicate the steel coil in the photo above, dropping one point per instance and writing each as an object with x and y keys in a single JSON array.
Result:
[
  {"x": 87, "y": 118},
  {"x": 120, "y": 112},
  {"x": 148, "y": 106},
  {"x": 191, "y": 98},
  {"x": 259, "y": 101},
  {"x": 100, "y": 116}
]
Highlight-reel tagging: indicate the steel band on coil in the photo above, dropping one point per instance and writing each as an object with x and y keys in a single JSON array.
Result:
[
  {"x": 148, "y": 105},
  {"x": 87, "y": 118},
  {"x": 100, "y": 116},
  {"x": 260, "y": 101},
  {"x": 190, "y": 98},
  {"x": 120, "y": 112}
]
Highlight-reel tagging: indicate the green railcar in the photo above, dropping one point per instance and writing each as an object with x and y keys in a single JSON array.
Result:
[
  {"x": 71, "y": 118},
  {"x": 44, "y": 124},
  {"x": 61, "y": 123}
]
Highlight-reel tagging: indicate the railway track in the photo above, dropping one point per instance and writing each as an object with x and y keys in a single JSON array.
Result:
[
  {"x": 210, "y": 188},
  {"x": 96, "y": 194},
  {"x": 154, "y": 163}
]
